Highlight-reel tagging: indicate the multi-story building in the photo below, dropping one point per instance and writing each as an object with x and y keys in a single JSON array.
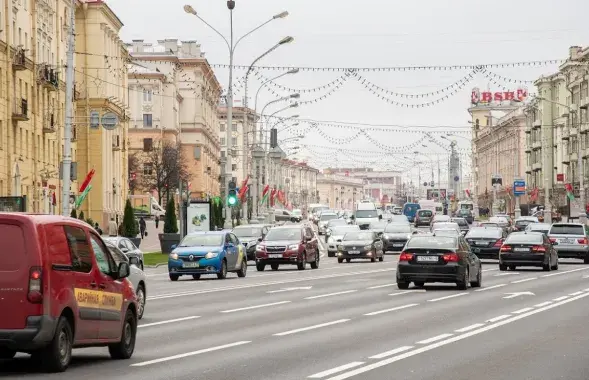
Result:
[
  {"x": 101, "y": 115},
  {"x": 378, "y": 185},
  {"x": 558, "y": 131},
  {"x": 242, "y": 139},
  {"x": 300, "y": 182},
  {"x": 33, "y": 45},
  {"x": 192, "y": 95},
  {"x": 339, "y": 191}
]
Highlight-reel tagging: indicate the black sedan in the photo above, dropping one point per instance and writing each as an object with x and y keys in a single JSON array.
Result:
[
  {"x": 249, "y": 235},
  {"x": 485, "y": 242},
  {"x": 395, "y": 236},
  {"x": 447, "y": 259},
  {"x": 528, "y": 249},
  {"x": 360, "y": 245}
]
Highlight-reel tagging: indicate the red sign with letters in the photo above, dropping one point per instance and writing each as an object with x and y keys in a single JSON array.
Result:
[{"x": 487, "y": 97}]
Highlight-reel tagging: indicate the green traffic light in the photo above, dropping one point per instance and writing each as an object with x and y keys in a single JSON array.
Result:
[{"x": 231, "y": 201}]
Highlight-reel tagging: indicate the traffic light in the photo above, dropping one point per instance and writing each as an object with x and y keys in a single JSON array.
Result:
[
  {"x": 273, "y": 138},
  {"x": 231, "y": 194}
]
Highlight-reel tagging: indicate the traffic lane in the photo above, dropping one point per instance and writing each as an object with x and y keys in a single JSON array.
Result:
[{"x": 548, "y": 345}]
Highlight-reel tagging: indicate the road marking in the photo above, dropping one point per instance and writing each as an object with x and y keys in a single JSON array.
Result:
[
  {"x": 290, "y": 289},
  {"x": 490, "y": 270},
  {"x": 435, "y": 339},
  {"x": 575, "y": 293},
  {"x": 188, "y": 354},
  {"x": 255, "y": 307},
  {"x": 341, "y": 368},
  {"x": 391, "y": 352},
  {"x": 543, "y": 304},
  {"x": 447, "y": 297},
  {"x": 586, "y": 290},
  {"x": 499, "y": 318},
  {"x": 168, "y": 321},
  {"x": 505, "y": 274},
  {"x": 471, "y": 327},
  {"x": 565, "y": 272},
  {"x": 393, "y": 309},
  {"x": 524, "y": 280},
  {"x": 330, "y": 294},
  {"x": 524, "y": 310},
  {"x": 312, "y": 327},
  {"x": 381, "y": 286},
  {"x": 382, "y": 363},
  {"x": 517, "y": 294},
  {"x": 490, "y": 287},
  {"x": 560, "y": 298},
  {"x": 408, "y": 291}
]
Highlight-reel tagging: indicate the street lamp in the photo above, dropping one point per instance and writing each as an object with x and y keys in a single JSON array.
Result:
[
  {"x": 231, "y": 46},
  {"x": 289, "y": 72}
]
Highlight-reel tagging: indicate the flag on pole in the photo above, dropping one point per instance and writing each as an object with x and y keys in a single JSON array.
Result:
[
  {"x": 83, "y": 196},
  {"x": 265, "y": 195},
  {"x": 86, "y": 181},
  {"x": 570, "y": 191}
]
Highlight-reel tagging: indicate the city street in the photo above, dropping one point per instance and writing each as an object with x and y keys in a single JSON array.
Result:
[{"x": 350, "y": 321}]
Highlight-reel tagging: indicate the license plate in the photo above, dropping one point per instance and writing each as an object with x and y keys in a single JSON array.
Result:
[
  {"x": 399, "y": 245},
  {"x": 354, "y": 252},
  {"x": 427, "y": 258},
  {"x": 521, "y": 250},
  {"x": 567, "y": 241},
  {"x": 275, "y": 256},
  {"x": 481, "y": 243},
  {"x": 190, "y": 265}
]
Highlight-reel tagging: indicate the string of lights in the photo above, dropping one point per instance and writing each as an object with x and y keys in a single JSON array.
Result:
[{"x": 263, "y": 79}]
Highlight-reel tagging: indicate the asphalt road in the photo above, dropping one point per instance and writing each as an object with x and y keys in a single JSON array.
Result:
[{"x": 349, "y": 321}]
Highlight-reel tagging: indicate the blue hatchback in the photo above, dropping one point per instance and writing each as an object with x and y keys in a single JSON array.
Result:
[{"x": 213, "y": 252}]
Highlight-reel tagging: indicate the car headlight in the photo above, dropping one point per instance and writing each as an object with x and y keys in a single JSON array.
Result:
[
  {"x": 260, "y": 247},
  {"x": 211, "y": 255},
  {"x": 293, "y": 247},
  {"x": 174, "y": 256},
  {"x": 409, "y": 236},
  {"x": 368, "y": 246}
]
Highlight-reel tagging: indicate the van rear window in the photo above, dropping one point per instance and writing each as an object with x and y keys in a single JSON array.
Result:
[{"x": 13, "y": 252}]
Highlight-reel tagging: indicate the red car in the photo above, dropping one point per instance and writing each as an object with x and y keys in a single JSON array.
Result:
[
  {"x": 61, "y": 289},
  {"x": 288, "y": 245}
]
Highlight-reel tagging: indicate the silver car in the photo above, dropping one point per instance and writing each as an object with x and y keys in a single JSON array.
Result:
[
  {"x": 323, "y": 220},
  {"x": 571, "y": 241},
  {"x": 337, "y": 234},
  {"x": 127, "y": 247}
]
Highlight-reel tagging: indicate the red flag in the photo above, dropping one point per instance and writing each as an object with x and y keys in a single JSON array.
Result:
[
  {"x": 265, "y": 191},
  {"x": 272, "y": 197},
  {"x": 87, "y": 180}
]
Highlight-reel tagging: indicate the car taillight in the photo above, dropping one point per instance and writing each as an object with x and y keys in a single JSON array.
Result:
[
  {"x": 498, "y": 243},
  {"x": 35, "y": 294},
  {"x": 451, "y": 258},
  {"x": 404, "y": 256},
  {"x": 552, "y": 240},
  {"x": 505, "y": 248},
  {"x": 538, "y": 248},
  {"x": 583, "y": 241}
]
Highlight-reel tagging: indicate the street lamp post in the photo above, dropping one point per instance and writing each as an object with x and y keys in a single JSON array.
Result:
[{"x": 231, "y": 46}]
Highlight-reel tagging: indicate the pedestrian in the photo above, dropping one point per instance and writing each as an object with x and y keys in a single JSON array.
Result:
[
  {"x": 142, "y": 227},
  {"x": 112, "y": 227},
  {"x": 97, "y": 228},
  {"x": 157, "y": 221}
]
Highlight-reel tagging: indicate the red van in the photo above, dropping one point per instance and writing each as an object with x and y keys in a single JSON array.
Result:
[{"x": 61, "y": 289}]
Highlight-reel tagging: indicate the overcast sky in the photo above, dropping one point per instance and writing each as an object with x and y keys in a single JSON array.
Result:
[{"x": 373, "y": 33}]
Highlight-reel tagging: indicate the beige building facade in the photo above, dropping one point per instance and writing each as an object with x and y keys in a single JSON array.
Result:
[
  {"x": 242, "y": 139},
  {"x": 300, "y": 183},
  {"x": 339, "y": 191}
]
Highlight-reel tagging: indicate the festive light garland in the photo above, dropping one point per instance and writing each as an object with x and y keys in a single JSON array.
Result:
[{"x": 263, "y": 79}]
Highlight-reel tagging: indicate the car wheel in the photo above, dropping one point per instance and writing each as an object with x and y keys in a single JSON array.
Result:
[
  {"x": 260, "y": 267},
  {"x": 419, "y": 284},
  {"x": 196, "y": 276},
  {"x": 140, "y": 301},
  {"x": 243, "y": 270},
  {"x": 124, "y": 349},
  {"x": 303, "y": 264},
  {"x": 223, "y": 272},
  {"x": 512, "y": 267},
  {"x": 340, "y": 260},
  {"x": 402, "y": 285},
  {"x": 174, "y": 277},
  {"x": 463, "y": 284},
  {"x": 6, "y": 354},
  {"x": 315, "y": 264},
  {"x": 57, "y": 355},
  {"x": 555, "y": 267},
  {"x": 479, "y": 281},
  {"x": 502, "y": 267},
  {"x": 348, "y": 260},
  {"x": 274, "y": 266},
  {"x": 546, "y": 267}
]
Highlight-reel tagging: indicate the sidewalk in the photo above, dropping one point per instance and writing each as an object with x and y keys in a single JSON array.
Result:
[{"x": 151, "y": 242}]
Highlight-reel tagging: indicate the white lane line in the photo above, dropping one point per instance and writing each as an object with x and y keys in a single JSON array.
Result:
[
  {"x": 393, "y": 309},
  {"x": 560, "y": 298},
  {"x": 408, "y": 291},
  {"x": 543, "y": 304},
  {"x": 490, "y": 287},
  {"x": 586, "y": 290},
  {"x": 490, "y": 270},
  {"x": 565, "y": 272},
  {"x": 312, "y": 327},
  {"x": 575, "y": 294},
  {"x": 168, "y": 321},
  {"x": 435, "y": 339},
  {"x": 524, "y": 280},
  {"x": 255, "y": 307},
  {"x": 391, "y": 352},
  {"x": 447, "y": 297},
  {"x": 330, "y": 294},
  {"x": 341, "y": 368},
  {"x": 505, "y": 274},
  {"x": 385, "y": 362},
  {"x": 524, "y": 310},
  {"x": 499, "y": 318},
  {"x": 381, "y": 286},
  {"x": 471, "y": 327},
  {"x": 188, "y": 354}
]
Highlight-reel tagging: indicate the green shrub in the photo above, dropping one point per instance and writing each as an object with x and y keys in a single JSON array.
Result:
[
  {"x": 129, "y": 228},
  {"x": 81, "y": 216},
  {"x": 74, "y": 214},
  {"x": 170, "y": 219}
]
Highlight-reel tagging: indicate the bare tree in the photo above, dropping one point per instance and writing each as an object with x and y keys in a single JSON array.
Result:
[
  {"x": 163, "y": 166},
  {"x": 133, "y": 165}
]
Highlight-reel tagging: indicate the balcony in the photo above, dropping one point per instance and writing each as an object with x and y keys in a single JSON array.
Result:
[
  {"x": 528, "y": 169},
  {"x": 537, "y": 145},
  {"x": 573, "y": 131},
  {"x": 566, "y": 134},
  {"x": 528, "y": 149},
  {"x": 584, "y": 103},
  {"x": 48, "y": 77},
  {"x": 537, "y": 124},
  {"x": 49, "y": 124},
  {"x": 537, "y": 166},
  {"x": 19, "y": 62},
  {"x": 116, "y": 143},
  {"x": 573, "y": 156},
  {"x": 21, "y": 110}
]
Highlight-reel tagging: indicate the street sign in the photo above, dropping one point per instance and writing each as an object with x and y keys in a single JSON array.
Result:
[
  {"x": 109, "y": 121},
  {"x": 94, "y": 120},
  {"x": 519, "y": 187}
]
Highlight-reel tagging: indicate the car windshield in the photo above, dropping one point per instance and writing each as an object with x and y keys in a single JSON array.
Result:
[
  {"x": 337, "y": 222},
  {"x": 494, "y": 233},
  {"x": 498, "y": 220},
  {"x": 325, "y": 217},
  {"x": 284, "y": 234},
  {"x": 398, "y": 228},
  {"x": 444, "y": 225},
  {"x": 544, "y": 227},
  {"x": 567, "y": 229},
  {"x": 342, "y": 230},
  {"x": 358, "y": 236},
  {"x": 525, "y": 238},
  {"x": 378, "y": 225},
  {"x": 486, "y": 224},
  {"x": 433, "y": 242},
  {"x": 366, "y": 214},
  {"x": 425, "y": 213},
  {"x": 523, "y": 223},
  {"x": 247, "y": 231},
  {"x": 446, "y": 232},
  {"x": 202, "y": 240},
  {"x": 460, "y": 221}
]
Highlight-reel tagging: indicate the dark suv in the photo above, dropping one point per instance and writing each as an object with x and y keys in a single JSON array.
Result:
[
  {"x": 423, "y": 218},
  {"x": 288, "y": 245}
]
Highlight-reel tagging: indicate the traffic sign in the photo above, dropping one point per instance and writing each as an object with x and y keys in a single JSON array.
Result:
[
  {"x": 109, "y": 121},
  {"x": 519, "y": 187}
]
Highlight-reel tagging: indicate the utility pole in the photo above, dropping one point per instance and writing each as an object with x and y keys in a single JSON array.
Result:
[
  {"x": 66, "y": 180},
  {"x": 228, "y": 131},
  {"x": 516, "y": 174}
]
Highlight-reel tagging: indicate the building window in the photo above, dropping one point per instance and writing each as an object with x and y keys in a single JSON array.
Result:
[
  {"x": 222, "y": 152},
  {"x": 147, "y": 120},
  {"x": 234, "y": 127},
  {"x": 147, "y": 145},
  {"x": 147, "y": 169},
  {"x": 222, "y": 127},
  {"x": 223, "y": 141},
  {"x": 234, "y": 141},
  {"x": 147, "y": 94},
  {"x": 233, "y": 167}
]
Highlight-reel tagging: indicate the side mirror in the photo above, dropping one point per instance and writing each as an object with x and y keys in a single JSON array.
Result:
[
  {"x": 260, "y": 239},
  {"x": 174, "y": 246},
  {"x": 134, "y": 261},
  {"x": 124, "y": 270},
  {"x": 352, "y": 217}
]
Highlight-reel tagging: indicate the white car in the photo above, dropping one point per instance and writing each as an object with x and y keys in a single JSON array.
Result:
[{"x": 137, "y": 277}]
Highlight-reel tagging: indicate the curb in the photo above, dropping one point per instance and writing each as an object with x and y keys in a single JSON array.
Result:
[{"x": 155, "y": 266}]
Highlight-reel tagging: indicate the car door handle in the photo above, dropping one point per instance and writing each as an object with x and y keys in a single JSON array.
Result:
[{"x": 93, "y": 284}]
